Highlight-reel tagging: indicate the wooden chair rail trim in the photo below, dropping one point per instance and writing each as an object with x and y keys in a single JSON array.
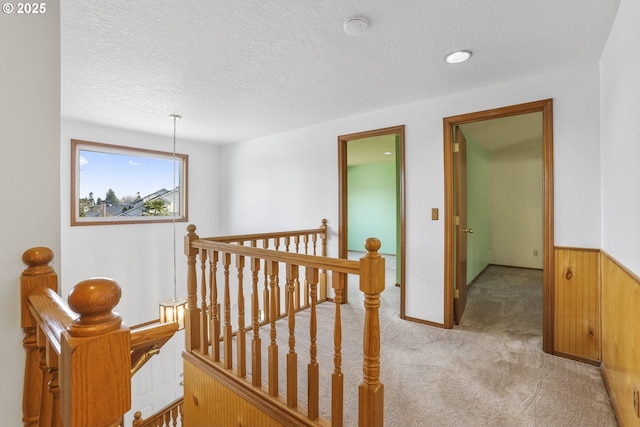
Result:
[
  {"x": 51, "y": 314},
  {"x": 313, "y": 261}
]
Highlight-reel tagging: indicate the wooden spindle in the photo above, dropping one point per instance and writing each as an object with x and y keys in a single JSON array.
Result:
[
  {"x": 297, "y": 291},
  {"x": 192, "y": 314},
  {"x": 214, "y": 306},
  {"x": 256, "y": 352},
  {"x": 266, "y": 298},
  {"x": 32, "y": 380},
  {"x": 323, "y": 252},
  {"x": 227, "y": 331},
  {"x": 292, "y": 357},
  {"x": 371, "y": 391},
  {"x": 313, "y": 369},
  {"x": 204, "y": 321},
  {"x": 240, "y": 337},
  {"x": 37, "y": 274},
  {"x": 272, "y": 271},
  {"x": 337, "y": 379},
  {"x": 46, "y": 404},
  {"x": 54, "y": 388}
]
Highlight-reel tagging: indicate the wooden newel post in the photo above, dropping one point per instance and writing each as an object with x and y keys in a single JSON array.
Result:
[
  {"x": 192, "y": 313},
  {"x": 38, "y": 274},
  {"x": 95, "y": 390},
  {"x": 371, "y": 391}
]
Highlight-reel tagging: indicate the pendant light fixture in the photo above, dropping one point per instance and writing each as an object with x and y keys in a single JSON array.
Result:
[{"x": 172, "y": 310}]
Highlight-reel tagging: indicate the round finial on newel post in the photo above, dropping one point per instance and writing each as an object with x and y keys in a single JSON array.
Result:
[
  {"x": 372, "y": 245},
  {"x": 191, "y": 228},
  {"x": 37, "y": 260},
  {"x": 94, "y": 299}
]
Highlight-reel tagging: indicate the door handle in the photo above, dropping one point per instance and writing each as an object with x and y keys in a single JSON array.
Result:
[{"x": 467, "y": 230}]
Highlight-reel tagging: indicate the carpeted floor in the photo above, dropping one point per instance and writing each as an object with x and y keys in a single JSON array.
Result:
[{"x": 488, "y": 371}]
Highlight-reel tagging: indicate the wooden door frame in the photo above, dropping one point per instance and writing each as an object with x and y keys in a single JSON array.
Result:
[
  {"x": 343, "y": 237},
  {"x": 546, "y": 107}
]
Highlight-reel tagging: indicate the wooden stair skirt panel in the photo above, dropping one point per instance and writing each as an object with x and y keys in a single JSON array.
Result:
[
  {"x": 577, "y": 332},
  {"x": 216, "y": 394}
]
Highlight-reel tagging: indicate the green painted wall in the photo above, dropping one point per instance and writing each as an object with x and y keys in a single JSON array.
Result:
[
  {"x": 478, "y": 208},
  {"x": 372, "y": 205}
]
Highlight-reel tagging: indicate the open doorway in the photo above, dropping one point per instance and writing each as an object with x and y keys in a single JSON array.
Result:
[
  {"x": 454, "y": 305},
  {"x": 371, "y": 195}
]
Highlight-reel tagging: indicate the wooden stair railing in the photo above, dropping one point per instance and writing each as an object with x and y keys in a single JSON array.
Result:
[
  {"x": 218, "y": 268},
  {"x": 169, "y": 416},
  {"x": 146, "y": 341},
  {"x": 68, "y": 380}
]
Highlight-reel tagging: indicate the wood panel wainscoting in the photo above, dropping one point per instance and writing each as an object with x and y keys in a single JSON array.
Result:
[
  {"x": 577, "y": 331},
  {"x": 621, "y": 339}
]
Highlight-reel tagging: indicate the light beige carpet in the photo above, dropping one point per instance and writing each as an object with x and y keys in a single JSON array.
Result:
[{"x": 488, "y": 371}]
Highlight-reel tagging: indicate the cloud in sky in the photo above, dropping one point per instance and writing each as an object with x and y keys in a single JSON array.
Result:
[
  {"x": 83, "y": 161},
  {"x": 132, "y": 163}
]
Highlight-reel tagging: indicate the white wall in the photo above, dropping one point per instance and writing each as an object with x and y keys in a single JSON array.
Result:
[
  {"x": 516, "y": 205},
  {"x": 620, "y": 138},
  {"x": 291, "y": 179},
  {"x": 29, "y": 173},
  {"x": 139, "y": 256}
]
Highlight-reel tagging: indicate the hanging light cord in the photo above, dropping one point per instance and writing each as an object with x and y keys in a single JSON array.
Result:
[{"x": 175, "y": 280}]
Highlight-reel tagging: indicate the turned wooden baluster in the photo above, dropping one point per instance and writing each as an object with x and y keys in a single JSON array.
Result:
[
  {"x": 292, "y": 357},
  {"x": 337, "y": 379},
  {"x": 266, "y": 298},
  {"x": 54, "y": 387},
  {"x": 37, "y": 274},
  {"x": 305, "y": 285},
  {"x": 227, "y": 331},
  {"x": 204, "y": 321},
  {"x": 313, "y": 369},
  {"x": 240, "y": 336},
  {"x": 256, "y": 352},
  {"x": 214, "y": 306},
  {"x": 323, "y": 252},
  {"x": 46, "y": 403},
  {"x": 272, "y": 272},
  {"x": 371, "y": 391},
  {"x": 192, "y": 313},
  {"x": 297, "y": 289}
]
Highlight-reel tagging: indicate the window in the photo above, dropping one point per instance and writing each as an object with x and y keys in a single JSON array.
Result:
[{"x": 111, "y": 184}]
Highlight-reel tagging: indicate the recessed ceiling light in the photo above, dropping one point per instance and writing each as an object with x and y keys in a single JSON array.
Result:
[
  {"x": 458, "y": 56},
  {"x": 355, "y": 26},
  {"x": 387, "y": 153}
]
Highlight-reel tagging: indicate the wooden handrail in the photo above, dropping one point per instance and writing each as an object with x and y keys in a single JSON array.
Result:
[
  {"x": 313, "y": 261},
  {"x": 68, "y": 381}
]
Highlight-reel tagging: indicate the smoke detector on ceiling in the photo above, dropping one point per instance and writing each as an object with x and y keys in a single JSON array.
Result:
[{"x": 355, "y": 26}]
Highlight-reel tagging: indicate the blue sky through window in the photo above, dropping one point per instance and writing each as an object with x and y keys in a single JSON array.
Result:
[{"x": 126, "y": 175}]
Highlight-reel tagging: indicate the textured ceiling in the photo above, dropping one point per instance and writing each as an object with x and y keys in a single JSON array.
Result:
[{"x": 237, "y": 70}]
